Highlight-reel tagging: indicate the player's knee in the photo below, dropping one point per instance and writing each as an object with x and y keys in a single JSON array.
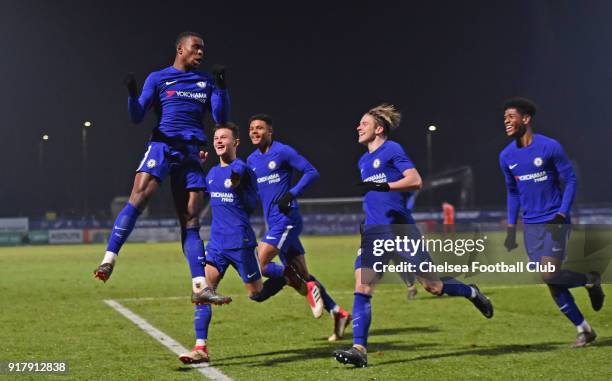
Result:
[
  {"x": 257, "y": 297},
  {"x": 364, "y": 289},
  {"x": 550, "y": 278}
]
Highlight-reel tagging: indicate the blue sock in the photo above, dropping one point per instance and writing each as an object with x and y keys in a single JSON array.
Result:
[
  {"x": 328, "y": 302},
  {"x": 564, "y": 299},
  {"x": 201, "y": 320},
  {"x": 271, "y": 287},
  {"x": 274, "y": 270},
  {"x": 362, "y": 316},
  {"x": 568, "y": 279},
  {"x": 193, "y": 247},
  {"x": 124, "y": 224},
  {"x": 454, "y": 287}
]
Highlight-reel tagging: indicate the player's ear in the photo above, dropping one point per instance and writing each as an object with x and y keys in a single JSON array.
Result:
[
  {"x": 526, "y": 119},
  {"x": 236, "y": 142}
]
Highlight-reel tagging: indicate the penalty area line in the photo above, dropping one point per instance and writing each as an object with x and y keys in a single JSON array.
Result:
[{"x": 165, "y": 340}]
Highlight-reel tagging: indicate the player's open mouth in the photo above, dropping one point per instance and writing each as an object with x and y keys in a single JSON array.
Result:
[{"x": 509, "y": 128}]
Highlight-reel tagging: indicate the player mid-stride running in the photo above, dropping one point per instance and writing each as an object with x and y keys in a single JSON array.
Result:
[
  {"x": 273, "y": 163},
  {"x": 534, "y": 166},
  {"x": 388, "y": 176}
]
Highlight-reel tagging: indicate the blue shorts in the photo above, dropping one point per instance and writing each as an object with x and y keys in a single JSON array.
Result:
[
  {"x": 540, "y": 243},
  {"x": 286, "y": 238},
  {"x": 180, "y": 160},
  {"x": 243, "y": 260},
  {"x": 366, "y": 258}
]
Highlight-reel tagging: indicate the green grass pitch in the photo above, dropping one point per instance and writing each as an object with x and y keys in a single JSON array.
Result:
[{"x": 52, "y": 309}]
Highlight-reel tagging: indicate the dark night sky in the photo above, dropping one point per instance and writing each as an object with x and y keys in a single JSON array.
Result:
[{"x": 315, "y": 67}]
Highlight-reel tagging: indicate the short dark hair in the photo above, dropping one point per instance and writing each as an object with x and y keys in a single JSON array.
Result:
[
  {"x": 184, "y": 35},
  {"x": 230, "y": 126},
  {"x": 522, "y": 105},
  {"x": 264, "y": 117}
]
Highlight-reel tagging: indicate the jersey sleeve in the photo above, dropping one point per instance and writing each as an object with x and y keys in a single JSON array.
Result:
[
  {"x": 513, "y": 200},
  {"x": 400, "y": 160},
  {"x": 298, "y": 162},
  {"x": 206, "y": 179},
  {"x": 137, "y": 108},
  {"x": 220, "y": 105},
  {"x": 566, "y": 175},
  {"x": 250, "y": 195},
  {"x": 238, "y": 167}
]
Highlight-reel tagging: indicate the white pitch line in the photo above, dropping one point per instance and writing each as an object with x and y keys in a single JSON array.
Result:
[{"x": 165, "y": 340}]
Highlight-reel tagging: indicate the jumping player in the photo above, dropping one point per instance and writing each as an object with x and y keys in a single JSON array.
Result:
[
  {"x": 273, "y": 163},
  {"x": 180, "y": 96},
  {"x": 388, "y": 176},
  {"x": 233, "y": 197},
  {"x": 534, "y": 166}
]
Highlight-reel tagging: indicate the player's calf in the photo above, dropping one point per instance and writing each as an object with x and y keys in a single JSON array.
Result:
[{"x": 295, "y": 280}]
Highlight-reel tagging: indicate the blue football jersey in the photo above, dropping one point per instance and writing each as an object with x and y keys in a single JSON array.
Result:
[
  {"x": 274, "y": 171},
  {"x": 180, "y": 100},
  {"x": 533, "y": 177},
  {"x": 386, "y": 164},
  {"x": 231, "y": 206}
]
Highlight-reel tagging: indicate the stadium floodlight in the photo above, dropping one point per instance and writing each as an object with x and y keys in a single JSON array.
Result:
[
  {"x": 45, "y": 137},
  {"x": 432, "y": 128},
  {"x": 86, "y": 125}
]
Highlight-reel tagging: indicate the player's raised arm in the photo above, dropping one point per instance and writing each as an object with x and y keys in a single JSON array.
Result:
[
  {"x": 138, "y": 106},
  {"x": 567, "y": 177},
  {"x": 220, "y": 101}
]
